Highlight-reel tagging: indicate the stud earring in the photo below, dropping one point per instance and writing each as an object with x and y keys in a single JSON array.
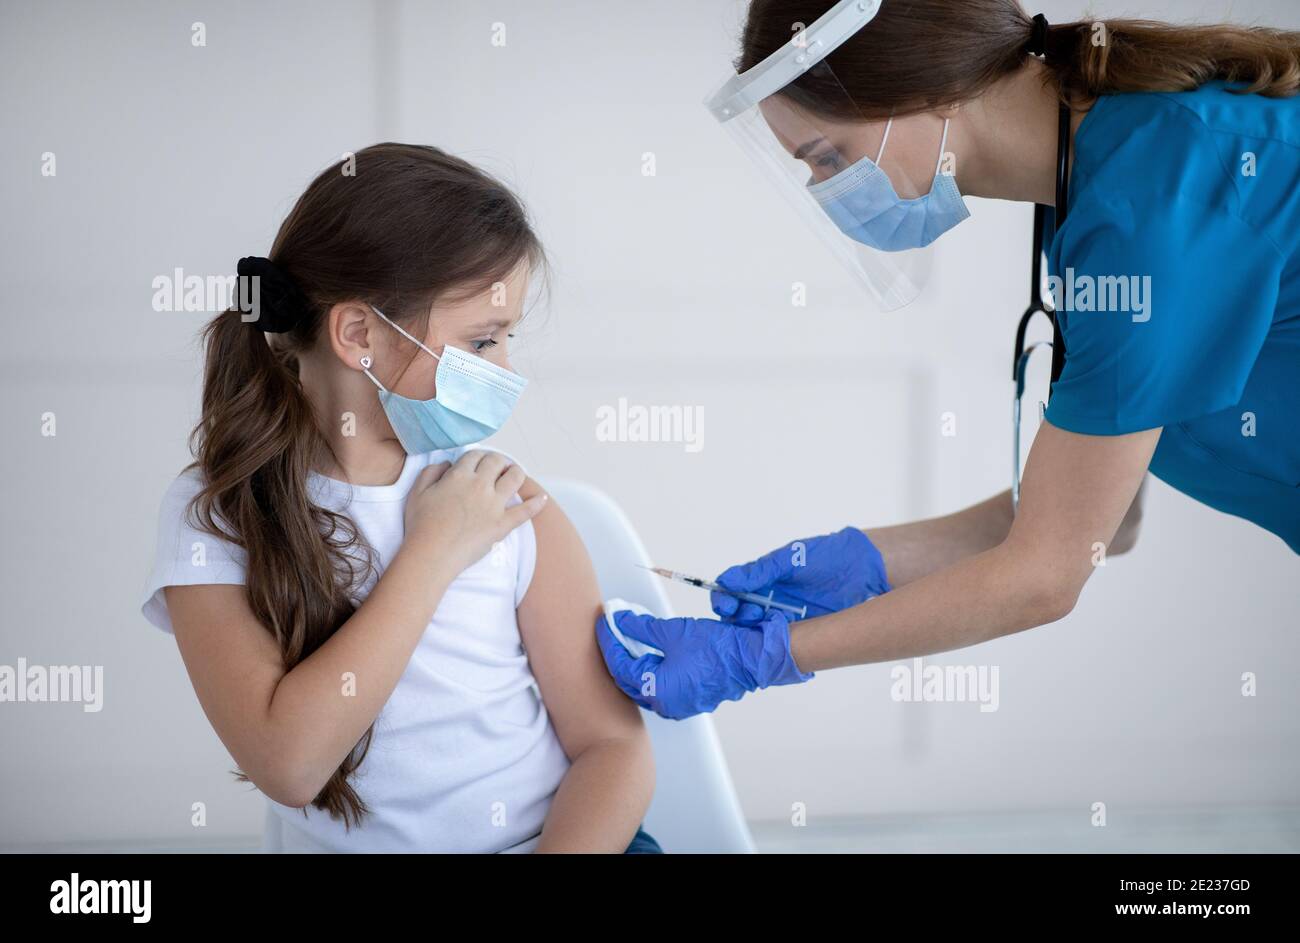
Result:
[{"x": 366, "y": 361}]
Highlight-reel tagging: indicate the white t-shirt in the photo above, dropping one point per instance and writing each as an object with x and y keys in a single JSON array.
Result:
[{"x": 464, "y": 757}]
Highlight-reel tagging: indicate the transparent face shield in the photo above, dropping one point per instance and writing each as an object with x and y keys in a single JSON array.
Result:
[{"x": 862, "y": 184}]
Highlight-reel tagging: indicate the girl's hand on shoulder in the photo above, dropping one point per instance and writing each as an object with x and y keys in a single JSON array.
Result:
[{"x": 457, "y": 511}]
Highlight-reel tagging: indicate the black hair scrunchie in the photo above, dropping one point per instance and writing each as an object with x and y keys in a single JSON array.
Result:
[
  {"x": 280, "y": 303},
  {"x": 1037, "y": 45}
]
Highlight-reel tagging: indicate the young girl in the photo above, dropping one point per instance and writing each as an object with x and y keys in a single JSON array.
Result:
[{"x": 389, "y": 632}]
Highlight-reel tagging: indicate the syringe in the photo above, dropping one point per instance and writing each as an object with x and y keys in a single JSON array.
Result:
[{"x": 764, "y": 601}]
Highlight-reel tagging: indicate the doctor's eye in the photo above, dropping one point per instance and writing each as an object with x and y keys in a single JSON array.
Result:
[{"x": 827, "y": 160}]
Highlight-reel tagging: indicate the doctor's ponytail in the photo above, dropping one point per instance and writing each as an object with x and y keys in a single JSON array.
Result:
[
  {"x": 1103, "y": 57},
  {"x": 921, "y": 55}
]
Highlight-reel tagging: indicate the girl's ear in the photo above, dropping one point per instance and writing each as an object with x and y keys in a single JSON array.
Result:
[{"x": 348, "y": 326}]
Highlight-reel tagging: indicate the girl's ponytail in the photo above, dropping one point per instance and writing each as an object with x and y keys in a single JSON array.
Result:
[{"x": 256, "y": 443}]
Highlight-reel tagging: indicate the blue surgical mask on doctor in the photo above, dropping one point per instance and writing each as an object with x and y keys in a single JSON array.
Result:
[
  {"x": 862, "y": 202},
  {"x": 473, "y": 400}
]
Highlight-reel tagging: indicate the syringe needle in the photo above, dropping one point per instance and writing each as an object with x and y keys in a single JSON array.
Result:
[{"x": 767, "y": 602}]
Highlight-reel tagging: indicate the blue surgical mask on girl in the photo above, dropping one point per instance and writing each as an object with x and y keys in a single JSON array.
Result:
[
  {"x": 862, "y": 202},
  {"x": 474, "y": 399}
]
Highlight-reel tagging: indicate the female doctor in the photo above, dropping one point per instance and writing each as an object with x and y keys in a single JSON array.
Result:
[{"x": 1171, "y": 158}]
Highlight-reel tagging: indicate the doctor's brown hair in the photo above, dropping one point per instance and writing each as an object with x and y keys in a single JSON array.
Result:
[
  {"x": 409, "y": 224},
  {"x": 921, "y": 55}
]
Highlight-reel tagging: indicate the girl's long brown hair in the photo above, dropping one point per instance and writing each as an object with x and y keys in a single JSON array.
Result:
[
  {"x": 920, "y": 55},
  {"x": 397, "y": 226}
]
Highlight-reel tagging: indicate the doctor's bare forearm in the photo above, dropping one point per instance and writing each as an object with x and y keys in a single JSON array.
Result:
[
  {"x": 1127, "y": 534},
  {"x": 1076, "y": 492},
  {"x": 976, "y": 599},
  {"x": 914, "y": 550}
]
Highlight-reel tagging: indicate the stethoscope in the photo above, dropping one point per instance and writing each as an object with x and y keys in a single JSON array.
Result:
[{"x": 1037, "y": 302}]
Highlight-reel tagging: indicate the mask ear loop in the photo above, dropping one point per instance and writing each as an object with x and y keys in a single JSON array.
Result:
[
  {"x": 881, "y": 153},
  {"x": 943, "y": 144},
  {"x": 399, "y": 330}
]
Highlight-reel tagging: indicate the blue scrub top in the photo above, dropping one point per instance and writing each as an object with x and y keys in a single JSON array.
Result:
[{"x": 1178, "y": 273}]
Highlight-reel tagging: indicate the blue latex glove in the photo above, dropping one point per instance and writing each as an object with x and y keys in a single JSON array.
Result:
[
  {"x": 826, "y": 574},
  {"x": 705, "y": 662}
]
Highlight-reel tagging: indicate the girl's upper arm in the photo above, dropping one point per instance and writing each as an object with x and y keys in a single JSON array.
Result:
[
  {"x": 234, "y": 665},
  {"x": 557, "y": 618}
]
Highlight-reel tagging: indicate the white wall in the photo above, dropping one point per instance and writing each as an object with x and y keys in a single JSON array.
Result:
[{"x": 672, "y": 289}]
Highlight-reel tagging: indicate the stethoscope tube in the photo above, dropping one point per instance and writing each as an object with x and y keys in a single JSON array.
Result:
[{"x": 1037, "y": 302}]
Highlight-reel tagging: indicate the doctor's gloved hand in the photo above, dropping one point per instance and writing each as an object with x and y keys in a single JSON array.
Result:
[
  {"x": 826, "y": 574},
  {"x": 704, "y": 661}
]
